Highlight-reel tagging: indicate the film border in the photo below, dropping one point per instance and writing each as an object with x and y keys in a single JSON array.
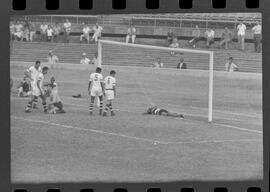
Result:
[{"x": 132, "y": 6}]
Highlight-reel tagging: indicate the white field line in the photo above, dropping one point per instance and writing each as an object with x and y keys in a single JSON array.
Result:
[
  {"x": 219, "y": 124},
  {"x": 55, "y": 125},
  {"x": 228, "y": 112}
]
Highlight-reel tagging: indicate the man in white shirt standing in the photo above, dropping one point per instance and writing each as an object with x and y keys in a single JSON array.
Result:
[
  {"x": 110, "y": 92},
  {"x": 210, "y": 37},
  {"x": 257, "y": 30},
  {"x": 86, "y": 30},
  {"x": 231, "y": 66},
  {"x": 241, "y": 32},
  {"x": 67, "y": 30},
  {"x": 97, "y": 32},
  {"x": 131, "y": 33},
  {"x": 43, "y": 31},
  {"x": 96, "y": 89},
  {"x": 52, "y": 59},
  {"x": 49, "y": 33},
  {"x": 84, "y": 60}
]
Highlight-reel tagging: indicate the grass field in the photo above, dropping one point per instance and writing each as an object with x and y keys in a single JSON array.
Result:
[{"x": 135, "y": 147}]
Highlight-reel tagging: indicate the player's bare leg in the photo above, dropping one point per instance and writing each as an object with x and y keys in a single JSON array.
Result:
[
  {"x": 31, "y": 103},
  {"x": 175, "y": 115},
  {"x": 91, "y": 105},
  {"x": 100, "y": 104}
]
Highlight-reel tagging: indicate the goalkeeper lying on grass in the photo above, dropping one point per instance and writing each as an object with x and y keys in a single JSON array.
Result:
[
  {"x": 164, "y": 112},
  {"x": 55, "y": 103}
]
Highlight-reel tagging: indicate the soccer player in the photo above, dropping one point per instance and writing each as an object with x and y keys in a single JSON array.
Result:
[
  {"x": 32, "y": 73},
  {"x": 38, "y": 91},
  {"x": 110, "y": 92},
  {"x": 55, "y": 106},
  {"x": 24, "y": 88},
  {"x": 158, "y": 111},
  {"x": 96, "y": 88}
]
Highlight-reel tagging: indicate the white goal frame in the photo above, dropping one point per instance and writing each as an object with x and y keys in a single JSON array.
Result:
[{"x": 211, "y": 64}]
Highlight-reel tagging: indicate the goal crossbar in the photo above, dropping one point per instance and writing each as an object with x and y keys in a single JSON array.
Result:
[{"x": 211, "y": 63}]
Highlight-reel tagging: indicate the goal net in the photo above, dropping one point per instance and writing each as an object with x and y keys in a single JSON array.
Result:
[{"x": 157, "y": 85}]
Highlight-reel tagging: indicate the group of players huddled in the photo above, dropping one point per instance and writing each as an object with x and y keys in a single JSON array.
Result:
[{"x": 97, "y": 87}]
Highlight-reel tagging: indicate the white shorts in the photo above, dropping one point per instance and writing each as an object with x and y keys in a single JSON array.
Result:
[
  {"x": 109, "y": 94},
  {"x": 96, "y": 91},
  {"x": 35, "y": 91}
]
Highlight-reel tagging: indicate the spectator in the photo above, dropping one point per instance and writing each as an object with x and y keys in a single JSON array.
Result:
[
  {"x": 24, "y": 88},
  {"x": 67, "y": 30},
  {"x": 158, "y": 63},
  {"x": 174, "y": 44},
  {"x": 56, "y": 32},
  {"x": 230, "y": 66},
  {"x": 12, "y": 29},
  {"x": 97, "y": 32},
  {"x": 181, "y": 64},
  {"x": 95, "y": 61},
  {"x": 84, "y": 60},
  {"x": 86, "y": 30},
  {"x": 43, "y": 31},
  {"x": 196, "y": 33},
  {"x": 52, "y": 59},
  {"x": 19, "y": 31},
  {"x": 49, "y": 33},
  {"x": 257, "y": 30},
  {"x": 170, "y": 37},
  {"x": 226, "y": 38},
  {"x": 241, "y": 32},
  {"x": 210, "y": 37},
  {"x": 32, "y": 31},
  {"x": 131, "y": 33}
]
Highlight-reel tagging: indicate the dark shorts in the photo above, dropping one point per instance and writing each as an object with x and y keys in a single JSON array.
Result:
[{"x": 163, "y": 112}]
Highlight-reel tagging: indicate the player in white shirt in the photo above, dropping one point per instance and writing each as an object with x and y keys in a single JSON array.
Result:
[
  {"x": 84, "y": 60},
  {"x": 131, "y": 33},
  {"x": 241, "y": 32},
  {"x": 86, "y": 30},
  {"x": 32, "y": 74},
  {"x": 38, "y": 91},
  {"x": 257, "y": 30},
  {"x": 230, "y": 66},
  {"x": 97, "y": 32},
  {"x": 96, "y": 88},
  {"x": 110, "y": 92}
]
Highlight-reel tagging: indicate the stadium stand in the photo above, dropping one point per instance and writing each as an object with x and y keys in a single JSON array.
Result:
[{"x": 71, "y": 53}]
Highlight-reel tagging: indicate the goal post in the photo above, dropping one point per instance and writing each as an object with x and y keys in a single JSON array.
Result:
[{"x": 209, "y": 53}]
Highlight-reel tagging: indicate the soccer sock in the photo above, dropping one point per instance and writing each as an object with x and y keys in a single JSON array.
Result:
[
  {"x": 34, "y": 101},
  {"x": 107, "y": 108},
  {"x": 91, "y": 107},
  {"x": 100, "y": 105},
  {"x": 45, "y": 106},
  {"x": 111, "y": 109}
]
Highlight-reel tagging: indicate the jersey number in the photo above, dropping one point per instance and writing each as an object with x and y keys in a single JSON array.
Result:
[{"x": 96, "y": 78}]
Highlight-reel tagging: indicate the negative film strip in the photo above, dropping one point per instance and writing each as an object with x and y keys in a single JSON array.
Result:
[{"x": 126, "y": 95}]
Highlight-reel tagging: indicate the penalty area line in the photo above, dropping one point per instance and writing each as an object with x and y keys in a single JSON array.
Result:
[{"x": 152, "y": 141}]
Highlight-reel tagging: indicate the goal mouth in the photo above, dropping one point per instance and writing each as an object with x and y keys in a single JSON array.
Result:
[{"x": 119, "y": 52}]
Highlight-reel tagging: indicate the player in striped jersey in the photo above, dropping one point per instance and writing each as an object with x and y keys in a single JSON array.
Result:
[
  {"x": 55, "y": 105},
  {"x": 110, "y": 91},
  {"x": 38, "y": 91},
  {"x": 158, "y": 111},
  {"x": 96, "y": 88}
]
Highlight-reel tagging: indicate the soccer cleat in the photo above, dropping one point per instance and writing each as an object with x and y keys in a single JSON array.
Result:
[
  {"x": 180, "y": 115},
  {"x": 27, "y": 110},
  {"x": 112, "y": 113}
]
